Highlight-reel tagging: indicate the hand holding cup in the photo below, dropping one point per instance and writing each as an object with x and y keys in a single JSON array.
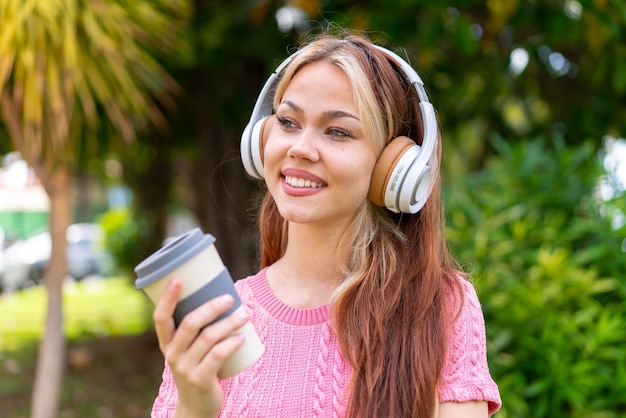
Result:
[{"x": 194, "y": 260}]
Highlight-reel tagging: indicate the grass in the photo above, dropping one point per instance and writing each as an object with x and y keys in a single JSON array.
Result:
[
  {"x": 113, "y": 363},
  {"x": 98, "y": 307}
]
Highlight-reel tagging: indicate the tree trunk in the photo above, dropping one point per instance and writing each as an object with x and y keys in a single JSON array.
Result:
[
  {"x": 220, "y": 198},
  {"x": 51, "y": 356},
  {"x": 151, "y": 185}
]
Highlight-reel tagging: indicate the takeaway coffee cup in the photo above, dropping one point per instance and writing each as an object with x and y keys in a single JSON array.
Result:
[{"x": 194, "y": 259}]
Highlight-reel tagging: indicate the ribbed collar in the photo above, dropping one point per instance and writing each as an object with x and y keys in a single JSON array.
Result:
[{"x": 281, "y": 311}]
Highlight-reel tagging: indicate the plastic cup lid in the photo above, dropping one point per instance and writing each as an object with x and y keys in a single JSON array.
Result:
[{"x": 171, "y": 256}]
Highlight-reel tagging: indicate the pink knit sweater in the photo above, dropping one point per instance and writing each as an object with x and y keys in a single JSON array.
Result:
[{"x": 302, "y": 372}]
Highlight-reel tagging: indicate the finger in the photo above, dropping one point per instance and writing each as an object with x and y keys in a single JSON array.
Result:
[
  {"x": 211, "y": 335},
  {"x": 194, "y": 321},
  {"x": 163, "y": 315},
  {"x": 214, "y": 360}
]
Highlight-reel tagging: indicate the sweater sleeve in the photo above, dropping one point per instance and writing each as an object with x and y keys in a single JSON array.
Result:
[
  {"x": 165, "y": 402},
  {"x": 465, "y": 376}
]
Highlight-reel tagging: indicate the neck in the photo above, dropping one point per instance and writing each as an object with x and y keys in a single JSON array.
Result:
[{"x": 309, "y": 272}]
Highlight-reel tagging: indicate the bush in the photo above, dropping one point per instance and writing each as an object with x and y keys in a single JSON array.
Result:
[
  {"x": 121, "y": 235},
  {"x": 549, "y": 270}
]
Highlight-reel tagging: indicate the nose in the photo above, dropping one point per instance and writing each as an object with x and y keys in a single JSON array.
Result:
[{"x": 305, "y": 146}]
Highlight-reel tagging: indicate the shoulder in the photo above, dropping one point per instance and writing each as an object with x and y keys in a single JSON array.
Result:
[
  {"x": 246, "y": 283},
  {"x": 465, "y": 375},
  {"x": 465, "y": 321},
  {"x": 250, "y": 287},
  {"x": 462, "y": 301}
]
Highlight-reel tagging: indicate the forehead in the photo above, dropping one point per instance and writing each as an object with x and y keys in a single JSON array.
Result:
[{"x": 321, "y": 83}]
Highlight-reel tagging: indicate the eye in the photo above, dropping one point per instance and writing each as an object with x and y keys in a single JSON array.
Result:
[
  {"x": 339, "y": 134},
  {"x": 285, "y": 123}
]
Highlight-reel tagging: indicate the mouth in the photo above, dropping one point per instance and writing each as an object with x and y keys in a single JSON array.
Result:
[{"x": 301, "y": 183}]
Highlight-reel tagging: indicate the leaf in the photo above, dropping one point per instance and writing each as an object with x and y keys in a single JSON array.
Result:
[{"x": 619, "y": 72}]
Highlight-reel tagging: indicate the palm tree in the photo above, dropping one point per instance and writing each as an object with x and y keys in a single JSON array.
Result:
[{"x": 69, "y": 69}]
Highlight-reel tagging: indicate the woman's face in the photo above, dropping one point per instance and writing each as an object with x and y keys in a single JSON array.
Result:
[{"x": 318, "y": 162}]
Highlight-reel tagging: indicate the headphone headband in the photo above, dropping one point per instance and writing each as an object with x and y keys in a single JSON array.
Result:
[{"x": 405, "y": 186}]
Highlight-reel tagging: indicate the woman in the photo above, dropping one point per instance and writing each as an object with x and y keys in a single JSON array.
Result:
[{"x": 362, "y": 310}]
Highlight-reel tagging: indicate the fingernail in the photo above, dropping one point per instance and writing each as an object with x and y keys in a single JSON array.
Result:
[
  {"x": 226, "y": 299},
  {"x": 243, "y": 315},
  {"x": 173, "y": 285}
]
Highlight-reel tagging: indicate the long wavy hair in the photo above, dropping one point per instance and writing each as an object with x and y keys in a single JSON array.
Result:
[{"x": 389, "y": 312}]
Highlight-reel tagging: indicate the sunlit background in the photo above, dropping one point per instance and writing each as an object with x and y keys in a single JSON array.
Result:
[{"x": 136, "y": 109}]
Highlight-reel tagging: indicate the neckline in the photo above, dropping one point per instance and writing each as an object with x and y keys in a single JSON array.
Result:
[{"x": 281, "y": 311}]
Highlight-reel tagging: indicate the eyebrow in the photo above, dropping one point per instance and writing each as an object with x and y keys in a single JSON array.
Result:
[{"x": 329, "y": 114}]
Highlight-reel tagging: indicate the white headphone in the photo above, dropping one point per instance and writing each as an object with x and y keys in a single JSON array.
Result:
[{"x": 405, "y": 173}]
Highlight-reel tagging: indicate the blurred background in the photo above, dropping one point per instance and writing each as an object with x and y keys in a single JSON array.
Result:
[{"x": 120, "y": 126}]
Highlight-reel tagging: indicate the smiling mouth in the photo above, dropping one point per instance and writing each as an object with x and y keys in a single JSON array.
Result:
[{"x": 303, "y": 183}]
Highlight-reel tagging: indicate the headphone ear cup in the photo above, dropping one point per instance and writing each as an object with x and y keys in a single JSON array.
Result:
[
  {"x": 266, "y": 128},
  {"x": 402, "y": 178},
  {"x": 258, "y": 139},
  {"x": 386, "y": 168}
]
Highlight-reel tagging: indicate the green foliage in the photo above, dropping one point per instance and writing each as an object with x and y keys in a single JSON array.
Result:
[
  {"x": 121, "y": 234},
  {"x": 93, "y": 308},
  {"x": 574, "y": 79},
  {"x": 549, "y": 271}
]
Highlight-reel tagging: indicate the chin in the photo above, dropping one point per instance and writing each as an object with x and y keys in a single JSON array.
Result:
[{"x": 296, "y": 216}]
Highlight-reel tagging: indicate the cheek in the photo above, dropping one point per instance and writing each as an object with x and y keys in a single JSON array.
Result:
[
  {"x": 360, "y": 175},
  {"x": 271, "y": 155}
]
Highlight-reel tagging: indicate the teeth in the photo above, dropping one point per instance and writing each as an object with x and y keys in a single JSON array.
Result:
[{"x": 298, "y": 182}]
